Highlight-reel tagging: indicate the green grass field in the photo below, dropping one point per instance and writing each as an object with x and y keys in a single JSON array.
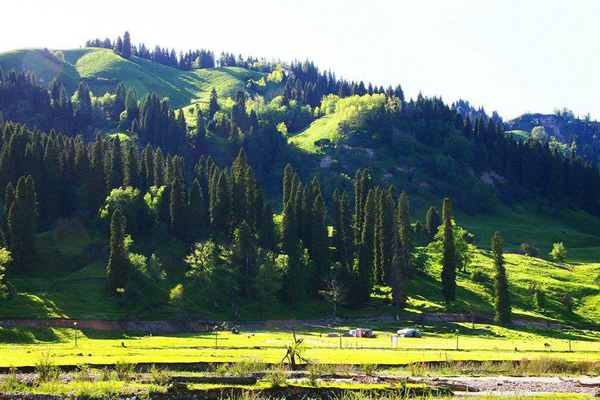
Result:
[
  {"x": 519, "y": 134},
  {"x": 23, "y": 347},
  {"x": 103, "y": 70}
]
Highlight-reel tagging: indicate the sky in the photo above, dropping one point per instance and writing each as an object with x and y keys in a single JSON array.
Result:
[{"x": 512, "y": 56}]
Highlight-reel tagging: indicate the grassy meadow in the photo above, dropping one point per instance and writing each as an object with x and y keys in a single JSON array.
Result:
[
  {"x": 103, "y": 70},
  {"x": 24, "y": 347}
]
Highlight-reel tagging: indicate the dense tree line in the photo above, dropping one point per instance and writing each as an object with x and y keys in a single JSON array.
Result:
[
  {"x": 482, "y": 145},
  {"x": 192, "y": 59}
]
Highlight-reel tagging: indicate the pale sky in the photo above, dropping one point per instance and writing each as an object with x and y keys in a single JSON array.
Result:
[{"x": 512, "y": 56}]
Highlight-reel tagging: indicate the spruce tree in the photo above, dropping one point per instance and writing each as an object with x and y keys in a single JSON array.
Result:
[
  {"x": 177, "y": 209},
  {"x": 213, "y": 104},
  {"x": 405, "y": 235},
  {"x": 97, "y": 182},
  {"x": 449, "y": 256},
  {"x": 320, "y": 244},
  {"x": 200, "y": 139},
  {"x": 502, "y": 300},
  {"x": 365, "y": 256},
  {"x": 22, "y": 223},
  {"x": 339, "y": 243},
  {"x": 432, "y": 221},
  {"x": 132, "y": 168},
  {"x": 115, "y": 173},
  {"x": 159, "y": 168},
  {"x": 220, "y": 208},
  {"x": 126, "y": 53},
  {"x": 117, "y": 270},
  {"x": 289, "y": 231},
  {"x": 197, "y": 214},
  {"x": 131, "y": 105},
  {"x": 267, "y": 236},
  {"x": 119, "y": 106},
  {"x": 288, "y": 174},
  {"x": 397, "y": 270}
]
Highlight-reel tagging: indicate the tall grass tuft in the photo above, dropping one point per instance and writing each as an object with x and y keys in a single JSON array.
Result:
[
  {"x": 159, "y": 376},
  {"x": 246, "y": 367},
  {"x": 125, "y": 371},
  {"x": 45, "y": 368}
]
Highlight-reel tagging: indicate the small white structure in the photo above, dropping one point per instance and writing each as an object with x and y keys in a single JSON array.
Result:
[{"x": 414, "y": 333}]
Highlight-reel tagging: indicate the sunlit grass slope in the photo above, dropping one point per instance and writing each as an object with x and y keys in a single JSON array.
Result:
[
  {"x": 322, "y": 128},
  {"x": 103, "y": 70}
]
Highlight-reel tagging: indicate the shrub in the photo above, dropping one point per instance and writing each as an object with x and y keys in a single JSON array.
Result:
[
  {"x": 539, "y": 298},
  {"x": 479, "y": 276},
  {"x": 567, "y": 301},
  {"x": 276, "y": 378},
  {"x": 159, "y": 376},
  {"x": 529, "y": 249},
  {"x": 368, "y": 369},
  {"x": 315, "y": 371},
  {"x": 559, "y": 252},
  {"x": 46, "y": 369},
  {"x": 124, "y": 370},
  {"x": 246, "y": 367}
]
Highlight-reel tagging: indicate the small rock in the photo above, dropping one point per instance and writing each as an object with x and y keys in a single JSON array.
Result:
[{"x": 177, "y": 387}]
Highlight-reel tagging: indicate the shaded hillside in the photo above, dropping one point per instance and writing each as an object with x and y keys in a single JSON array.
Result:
[{"x": 581, "y": 135}]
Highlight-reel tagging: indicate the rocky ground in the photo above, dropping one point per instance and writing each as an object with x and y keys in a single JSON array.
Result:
[{"x": 525, "y": 385}]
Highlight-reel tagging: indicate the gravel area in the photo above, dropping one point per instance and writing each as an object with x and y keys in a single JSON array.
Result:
[{"x": 527, "y": 385}]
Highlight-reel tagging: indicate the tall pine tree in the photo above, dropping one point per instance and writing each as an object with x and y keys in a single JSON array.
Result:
[
  {"x": 449, "y": 256},
  {"x": 502, "y": 300},
  {"x": 117, "y": 270}
]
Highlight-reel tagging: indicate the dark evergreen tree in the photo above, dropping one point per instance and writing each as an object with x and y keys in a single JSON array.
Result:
[
  {"x": 83, "y": 105},
  {"x": 22, "y": 224},
  {"x": 339, "y": 240},
  {"x": 383, "y": 237},
  {"x": 177, "y": 209},
  {"x": 97, "y": 181},
  {"x": 119, "y": 105},
  {"x": 405, "y": 235},
  {"x": 502, "y": 300},
  {"x": 397, "y": 270},
  {"x": 132, "y": 168},
  {"x": 289, "y": 231},
  {"x": 200, "y": 138},
  {"x": 115, "y": 172},
  {"x": 159, "y": 168},
  {"x": 131, "y": 106},
  {"x": 365, "y": 255},
  {"x": 197, "y": 214},
  {"x": 288, "y": 174},
  {"x": 117, "y": 270},
  {"x": 126, "y": 53},
  {"x": 220, "y": 209},
  {"x": 267, "y": 236},
  {"x": 449, "y": 256},
  {"x": 320, "y": 244},
  {"x": 432, "y": 221},
  {"x": 213, "y": 104}
]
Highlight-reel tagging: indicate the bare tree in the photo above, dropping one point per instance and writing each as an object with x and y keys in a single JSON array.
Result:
[{"x": 334, "y": 292}]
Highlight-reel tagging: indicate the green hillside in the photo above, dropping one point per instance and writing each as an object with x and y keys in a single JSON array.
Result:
[
  {"x": 103, "y": 70},
  {"x": 322, "y": 128},
  {"x": 76, "y": 289}
]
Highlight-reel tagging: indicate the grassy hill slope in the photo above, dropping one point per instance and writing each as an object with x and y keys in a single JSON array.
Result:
[{"x": 103, "y": 70}]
